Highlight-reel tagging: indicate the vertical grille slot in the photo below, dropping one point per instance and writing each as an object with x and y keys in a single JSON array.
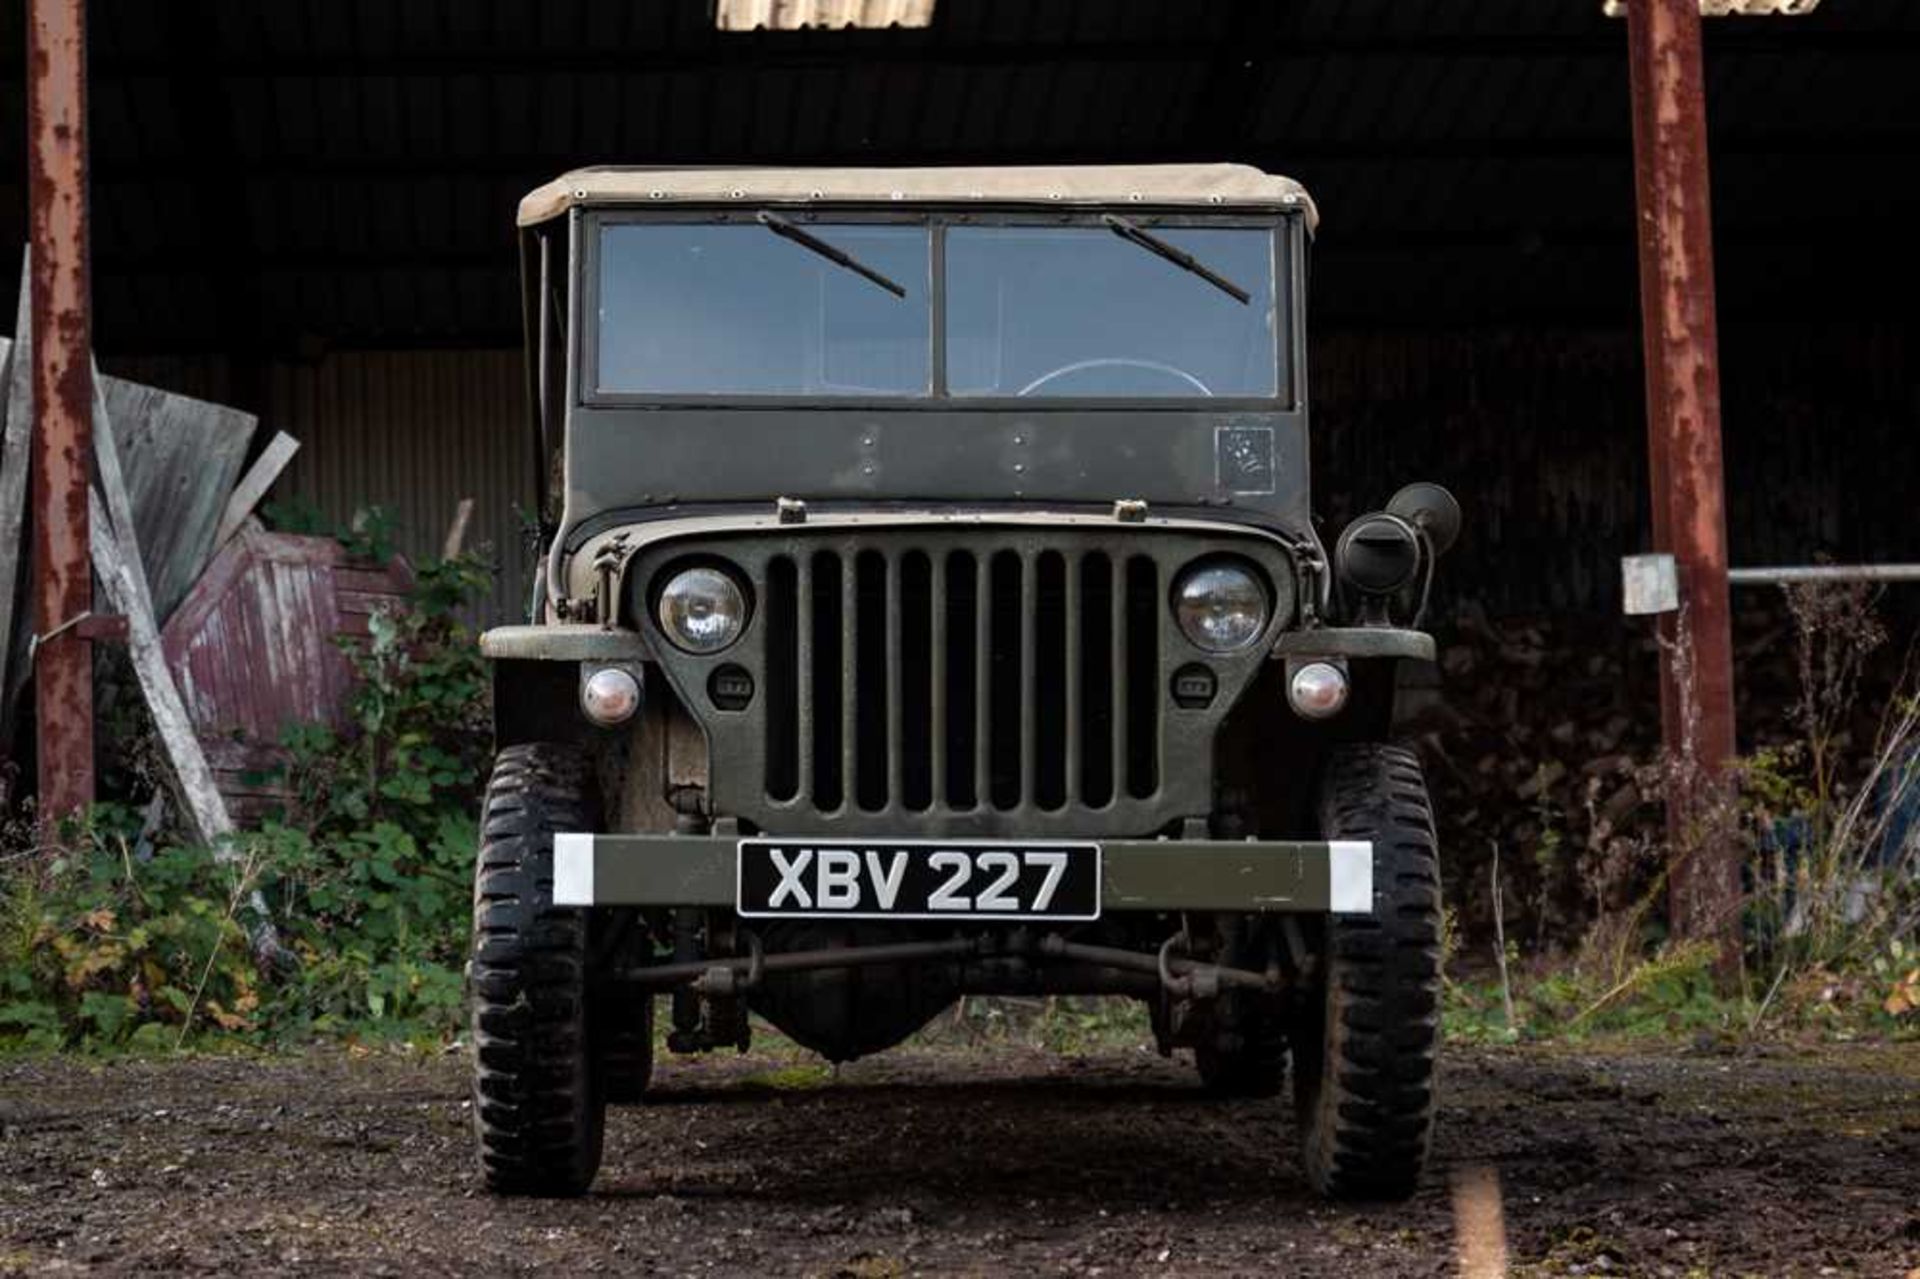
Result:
[
  {"x": 1007, "y": 708},
  {"x": 1048, "y": 699},
  {"x": 827, "y": 635},
  {"x": 873, "y": 664},
  {"x": 1095, "y": 682},
  {"x": 782, "y": 679},
  {"x": 916, "y": 685},
  {"x": 959, "y": 680},
  {"x": 1142, "y": 681}
]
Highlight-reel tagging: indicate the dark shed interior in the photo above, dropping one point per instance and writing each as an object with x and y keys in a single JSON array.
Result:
[{"x": 305, "y": 207}]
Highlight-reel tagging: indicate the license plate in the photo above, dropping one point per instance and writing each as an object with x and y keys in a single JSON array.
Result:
[{"x": 917, "y": 879}]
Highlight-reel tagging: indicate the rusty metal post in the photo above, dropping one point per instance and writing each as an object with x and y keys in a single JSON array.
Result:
[
  {"x": 1683, "y": 438},
  {"x": 63, "y": 399}
]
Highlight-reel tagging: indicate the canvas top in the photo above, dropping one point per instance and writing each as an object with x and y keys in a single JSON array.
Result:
[{"x": 1199, "y": 185}]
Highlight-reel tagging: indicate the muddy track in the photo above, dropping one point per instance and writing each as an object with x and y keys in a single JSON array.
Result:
[{"x": 959, "y": 1160}]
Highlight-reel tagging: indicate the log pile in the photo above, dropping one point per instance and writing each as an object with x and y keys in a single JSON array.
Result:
[
  {"x": 1539, "y": 743},
  {"x": 1543, "y": 738}
]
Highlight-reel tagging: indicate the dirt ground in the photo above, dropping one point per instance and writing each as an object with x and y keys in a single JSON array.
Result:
[{"x": 956, "y": 1159}]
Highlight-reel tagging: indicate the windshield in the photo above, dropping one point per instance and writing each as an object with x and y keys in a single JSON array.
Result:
[
  {"x": 782, "y": 306},
  {"x": 743, "y": 309},
  {"x": 1081, "y": 311}
]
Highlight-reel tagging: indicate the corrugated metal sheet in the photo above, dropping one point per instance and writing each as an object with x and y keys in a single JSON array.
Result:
[{"x": 414, "y": 433}]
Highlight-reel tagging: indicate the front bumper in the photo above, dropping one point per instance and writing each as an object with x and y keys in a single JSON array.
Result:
[{"x": 1153, "y": 875}]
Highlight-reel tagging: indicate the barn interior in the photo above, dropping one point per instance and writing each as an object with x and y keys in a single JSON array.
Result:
[{"x": 305, "y": 209}]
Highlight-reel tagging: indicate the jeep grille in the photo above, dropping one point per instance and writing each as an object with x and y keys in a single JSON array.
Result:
[
  {"x": 962, "y": 680},
  {"x": 956, "y": 680}
]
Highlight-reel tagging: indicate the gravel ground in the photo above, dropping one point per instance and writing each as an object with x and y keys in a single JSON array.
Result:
[{"x": 961, "y": 1159}]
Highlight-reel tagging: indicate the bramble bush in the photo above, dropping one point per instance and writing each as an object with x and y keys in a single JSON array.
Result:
[
  {"x": 367, "y": 873},
  {"x": 1828, "y": 822}
]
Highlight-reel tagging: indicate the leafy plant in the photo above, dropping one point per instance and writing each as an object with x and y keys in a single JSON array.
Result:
[
  {"x": 109, "y": 950},
  {"x": 366, "y": 872},
  {"x": 1836, "y": 892},
  {"x": 378, "y": 846}
]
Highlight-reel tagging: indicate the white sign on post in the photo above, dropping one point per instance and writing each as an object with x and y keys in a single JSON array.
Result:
[{"x": 1649, "y": 584}]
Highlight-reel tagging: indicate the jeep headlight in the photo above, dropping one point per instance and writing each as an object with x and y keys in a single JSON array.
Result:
[
  {"x": 1221, "y": 605},
  {"x": 702, "y": 610}
]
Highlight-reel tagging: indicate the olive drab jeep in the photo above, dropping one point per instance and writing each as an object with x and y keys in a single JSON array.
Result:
[{"x": 931, "y": 605}]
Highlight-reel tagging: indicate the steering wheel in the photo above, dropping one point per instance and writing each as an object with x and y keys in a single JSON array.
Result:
[{"x": 1115, "y": 361}]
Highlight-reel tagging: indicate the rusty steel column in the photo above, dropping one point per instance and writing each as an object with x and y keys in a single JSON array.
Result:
[
  {"x": 1683, "y": 444},
  {"x": 63, "y": 399}
]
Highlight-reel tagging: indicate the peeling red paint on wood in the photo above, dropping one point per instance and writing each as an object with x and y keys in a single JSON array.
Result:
[{"x": 252, "y": 648}]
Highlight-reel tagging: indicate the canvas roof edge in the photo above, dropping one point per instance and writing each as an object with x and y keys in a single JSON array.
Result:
[{"x": 1237, "y": 186}]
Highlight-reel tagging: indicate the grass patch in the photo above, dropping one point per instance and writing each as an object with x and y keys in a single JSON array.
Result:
[{"x": 799, "y": 1077}]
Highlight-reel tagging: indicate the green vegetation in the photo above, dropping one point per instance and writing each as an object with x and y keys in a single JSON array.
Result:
[
  {"x": 1828, "y": 821},
  {"x": 367, "y": 872},
  {"x": 105, "y": 945}
]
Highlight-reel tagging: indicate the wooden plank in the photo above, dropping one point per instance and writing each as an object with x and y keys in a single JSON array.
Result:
[
  {"x": 254, "y": 484},
  {"x": 181, "y": 457},
  {"x": 457, "y": 531},
  {"x": 14, "y": 447},
  {"x": 255, "y": 640},
  {"x": 229, "y": 564},
  {"x": 367, "y": 603},
  {"x": 170, "y": 722},
  {"x": 113, "y": 557},
  {"x": 113, "y": 487},
  {"x": 365, "y": 581}
]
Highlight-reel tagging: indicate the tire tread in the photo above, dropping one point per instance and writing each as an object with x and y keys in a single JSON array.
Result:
[
  {"x": 538, "y": 1110},
  {"x": 1367, "y": 1105}
]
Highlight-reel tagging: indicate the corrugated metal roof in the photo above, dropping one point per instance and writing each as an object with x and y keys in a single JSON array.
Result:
[{"x": 412, "y": 432}]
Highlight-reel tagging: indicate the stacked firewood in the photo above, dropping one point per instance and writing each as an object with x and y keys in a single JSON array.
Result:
[
  {"x": 1542, "y": 740},
  {"x": 1538, "y": 744}
]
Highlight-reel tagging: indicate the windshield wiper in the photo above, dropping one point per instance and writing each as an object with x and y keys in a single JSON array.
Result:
[
  {"x": 1179, "y": 257},
  {"x": 838, "y": 256}
]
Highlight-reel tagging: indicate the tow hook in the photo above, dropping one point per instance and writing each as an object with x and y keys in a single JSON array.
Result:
[{"x": 1202, "y": 981}]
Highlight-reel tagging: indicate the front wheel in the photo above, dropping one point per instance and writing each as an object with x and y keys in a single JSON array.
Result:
[
  {"x": 1370, "y": 1033},
  {"x": 539, "y": 1097}
]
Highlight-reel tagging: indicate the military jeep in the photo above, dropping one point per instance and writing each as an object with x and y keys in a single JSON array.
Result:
[{"x": 931, "y": 605}]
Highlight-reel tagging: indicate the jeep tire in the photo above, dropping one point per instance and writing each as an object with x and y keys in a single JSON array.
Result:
[
  {"x": 1255, "y": 1065},
  {"x": 539, "y": 1104},
  {"x": 1369, "y": 1032}
]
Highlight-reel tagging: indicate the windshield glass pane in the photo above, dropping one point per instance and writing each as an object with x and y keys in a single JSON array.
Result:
[
  {"x": 737, "y": 309},
  {"x": 1079, "y": 311}
]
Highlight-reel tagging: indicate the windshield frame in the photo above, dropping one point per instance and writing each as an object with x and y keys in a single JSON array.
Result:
[{"x": 1287, "y": 254}]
